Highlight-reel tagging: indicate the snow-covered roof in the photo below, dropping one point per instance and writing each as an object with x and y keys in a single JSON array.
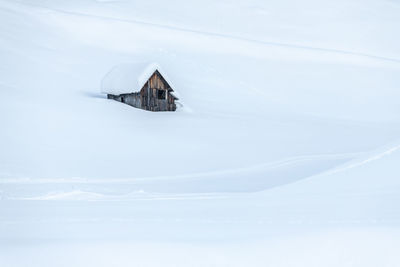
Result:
[{"x": 130, "y": 77}]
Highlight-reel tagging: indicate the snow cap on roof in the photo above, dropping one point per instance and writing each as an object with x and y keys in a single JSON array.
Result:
[{"x": 130, "y": 77}]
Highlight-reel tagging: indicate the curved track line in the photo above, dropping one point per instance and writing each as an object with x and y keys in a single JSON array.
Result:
[
  {"x": 366, "y": 161},
  {"x": 259, "y": 167},
  {"x": 77, "y": 195}
]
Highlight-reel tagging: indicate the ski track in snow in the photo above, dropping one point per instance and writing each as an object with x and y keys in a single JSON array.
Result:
[
  {"x": 366, "y": 161},
  {"x": 286, "y": 163},
  {"x": 92, "y": 193},
  {"x": 94, "y": 196},
  {"x": 142, "y": 195},
  {"x": 215, "y": 34}
]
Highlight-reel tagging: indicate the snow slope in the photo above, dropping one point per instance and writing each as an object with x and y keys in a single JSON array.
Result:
[{"x": 287, "y": 140}]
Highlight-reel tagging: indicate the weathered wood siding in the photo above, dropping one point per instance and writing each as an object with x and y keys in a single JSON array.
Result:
[
  {"x": 133, "y": 99},
  {"x": 154, "y": 96}
]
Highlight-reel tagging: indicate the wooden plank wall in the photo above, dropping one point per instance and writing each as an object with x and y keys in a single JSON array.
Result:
[{"x": 147, "y": 98}]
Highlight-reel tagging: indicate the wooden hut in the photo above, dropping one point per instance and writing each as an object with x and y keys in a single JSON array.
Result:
[{"x": 140, "y": 85}]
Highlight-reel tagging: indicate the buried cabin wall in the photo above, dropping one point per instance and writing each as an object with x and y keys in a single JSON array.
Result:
[{"x": 147, "y": 98}]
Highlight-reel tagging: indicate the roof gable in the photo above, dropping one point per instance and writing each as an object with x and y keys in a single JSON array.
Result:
[{"x": 129, "y": 78}]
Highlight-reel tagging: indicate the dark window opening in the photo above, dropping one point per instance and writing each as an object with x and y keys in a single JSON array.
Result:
[
  {"x": 122, "y": 99},
  {"x": 161, "y": 94}
]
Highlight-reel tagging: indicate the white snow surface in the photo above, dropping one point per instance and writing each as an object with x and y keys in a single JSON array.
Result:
[
  {"x": 285, "y": 153},
  {"x": 130, "y": 77}
]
